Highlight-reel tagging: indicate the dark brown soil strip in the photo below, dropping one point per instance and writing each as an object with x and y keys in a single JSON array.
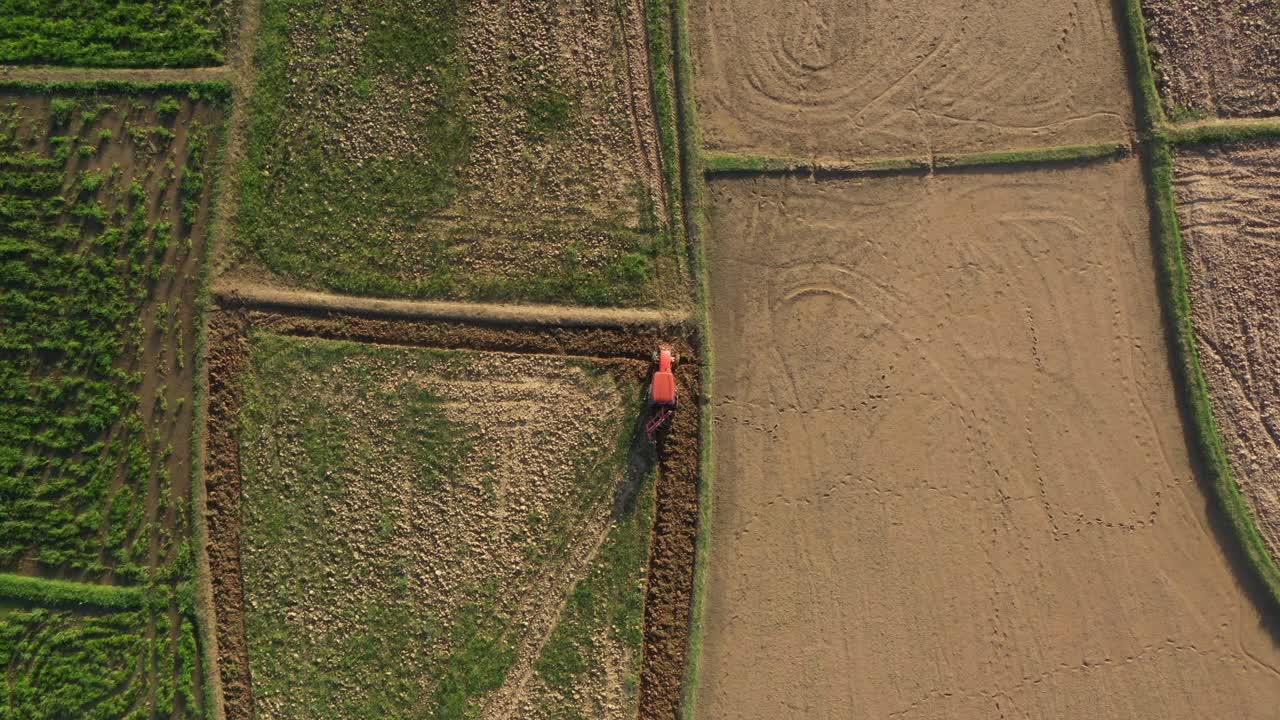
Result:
[
  {"x": 671, "y": 554},
  {"x": 669, "y": 592},
  {"x": 228, "y": 356}
]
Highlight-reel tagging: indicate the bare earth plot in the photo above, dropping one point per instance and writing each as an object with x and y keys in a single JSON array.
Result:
[
  {"x": 1216, "y": 57},
  {"x": 951, "y": 477},
  {"x": 1229, "y": 210},
  {"x": 462, "y": 149},
  {"x": 856, "y": 80}
]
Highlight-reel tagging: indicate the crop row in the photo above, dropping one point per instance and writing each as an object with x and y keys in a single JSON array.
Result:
[
  {"x": 113, "y": 33},
  {"x": 81, "y": 246}
]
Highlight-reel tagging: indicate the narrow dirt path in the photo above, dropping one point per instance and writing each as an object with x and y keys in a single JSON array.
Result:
[
  {"x": 138, "y": 75},
  {"x": 243, "y": 294}
]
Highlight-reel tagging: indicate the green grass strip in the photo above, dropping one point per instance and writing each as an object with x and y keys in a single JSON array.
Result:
[
  {"x": 1208, "y": 440},
  {"x": 693, "y": 181},
  {"x": 1151, "y": 110},
  {"x": 723, "y": 163},
  {"x": 218, "y": 91},
  {"x": 1058, "y": 154},
  {"x": 71, "y": 595},
  {"x": 1221, "y": 132}
]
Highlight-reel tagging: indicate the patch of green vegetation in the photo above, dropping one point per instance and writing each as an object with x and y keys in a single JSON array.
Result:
[
  {"x": 672, "y": 20},
  {"x": 546, "y": 111},
  {"x": 113, "y": 33},
  {"x": 1150, "y": 109},
  {"x": 607, "y": 603},
  {"x": 77, "y": 262},
  {"x": 715, "y": 163},
  {"x": 1179, "y": 114},
  {"x": 1223, "y": 132},
  {"x": 1176, "y": 298},
  {"x": 722, "y": 163},
  {"x": 1062, "y": 154},
  {"x": 295, "y": 197},
  {"x": 61, "y": 664},
  {"x": 63, "y": 594},
  {"x": 305, "y": 453}
]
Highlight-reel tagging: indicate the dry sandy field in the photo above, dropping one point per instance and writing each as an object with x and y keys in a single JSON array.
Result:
[
  {"x": 855, "y": 80},
  {"x": 1216, "y": 57},
  {"x": 1229, "y": 210},
  {"x": 476, "y": 524},
  {"x": 951, "y": 475}
]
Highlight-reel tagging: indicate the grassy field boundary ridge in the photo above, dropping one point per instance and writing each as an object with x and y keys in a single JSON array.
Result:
[
  {"x": 1209, "y": 446},
  {"x": 728, "y": 163},
  {"x": 692, "y": 175},
  {"x": 1221, "y": 131},
  {"x": 216, "y": 91},
  {"x": 47, "y": 592},
  {"x": 1150, "y": 110},
  {"x": 1038, "y": 156},
  {"x": 725, "y": 163}
]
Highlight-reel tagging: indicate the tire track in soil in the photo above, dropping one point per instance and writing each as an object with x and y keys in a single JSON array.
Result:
[{"x": 668, "y": 591}]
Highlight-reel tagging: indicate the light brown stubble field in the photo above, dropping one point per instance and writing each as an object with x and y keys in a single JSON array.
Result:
[
  {"x": 951, "y": 475},
  {"x": 844, "y": 80}
]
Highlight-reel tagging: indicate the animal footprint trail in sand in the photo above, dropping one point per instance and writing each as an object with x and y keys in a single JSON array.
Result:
[{"x": 963, "y": 388}]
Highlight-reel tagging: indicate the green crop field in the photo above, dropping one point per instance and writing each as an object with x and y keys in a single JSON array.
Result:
[
  {"x": 443, "y": 149},
  {"x": 410, "y": 525},
  {"x": 114, "y": 33},
  {"x": 100, "y": 196},
  {"x": 134, "y": 664},
  {"x": 103, "y": 203}
]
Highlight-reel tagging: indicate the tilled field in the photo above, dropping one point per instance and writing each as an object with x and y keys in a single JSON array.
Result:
[
  {"x": 857, "y": 80},
  {"x": 951, "y": 475},
  {"x": 1229, "y": 210},
  {"x": 479, "y": 516},
  {"x": 1216, "y": 57}
]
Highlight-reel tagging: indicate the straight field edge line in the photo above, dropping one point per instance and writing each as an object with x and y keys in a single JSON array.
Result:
[
  {"x": 68, "y": 594},
  {"x": 1221, "y": 131},
  {"x": 736, "y": 164},
  {"x": 1150, "y": 110},
  {"x": 202, "y": 601},
  {"x": 566, "y": 316},
  {"x": 693, "y": 175},
  {"x": 729, "y": 163},
  {"x": 1208, "y": 439},
  {"x": 1034, "y": 156},
  {"x": 48, "y": 73},
  {"x": 219, "y": 91}
]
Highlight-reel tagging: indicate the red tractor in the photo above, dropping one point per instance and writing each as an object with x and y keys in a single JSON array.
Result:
[{"x": 662, "y": 392}]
